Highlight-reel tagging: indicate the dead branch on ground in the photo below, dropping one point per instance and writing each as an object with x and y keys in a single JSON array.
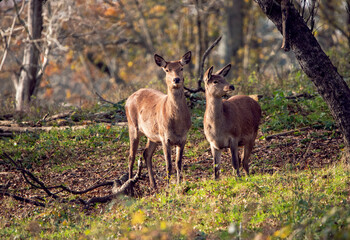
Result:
[
  {"x": 36, "y": 183},
  {"x": 268, "y": 138}
]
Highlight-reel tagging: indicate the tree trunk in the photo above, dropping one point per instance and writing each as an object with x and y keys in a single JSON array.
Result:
[
  {"x": 199, "y": 46},
  {"x": 28, "y": 80},
  {"x": 316, "y": 64},
  {"x": 232, "y": 31}
]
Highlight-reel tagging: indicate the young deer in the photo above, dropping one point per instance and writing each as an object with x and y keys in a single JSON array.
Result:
[
  {"x": 229, "y": 123},
  {"x": 161, "y": 118}
]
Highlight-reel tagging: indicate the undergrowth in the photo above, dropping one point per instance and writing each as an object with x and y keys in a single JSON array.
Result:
[{"x": 293, "y": 205}]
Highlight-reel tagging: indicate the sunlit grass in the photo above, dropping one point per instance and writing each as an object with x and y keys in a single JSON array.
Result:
[{"x": 305, "y": 203}]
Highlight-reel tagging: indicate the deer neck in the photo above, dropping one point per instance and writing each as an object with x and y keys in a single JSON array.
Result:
[
  {"x": 214, "y": 110},
  {"x": 176, "y": 100}
]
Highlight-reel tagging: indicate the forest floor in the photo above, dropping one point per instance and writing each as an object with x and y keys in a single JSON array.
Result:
[{"x": 297, "y": 150}]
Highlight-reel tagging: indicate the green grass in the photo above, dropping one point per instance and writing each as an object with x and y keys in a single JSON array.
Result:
[
  {"x": 301, "y": 205},
  {"x": 57, "y": 145}
]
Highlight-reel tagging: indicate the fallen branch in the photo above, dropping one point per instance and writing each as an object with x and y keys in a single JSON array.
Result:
[
  {"x": 27, "y": 174},
  {"x": 200, "y": 80},
  {"x": 116, "y": 191},
  {"x": 26, "y": 200},
  {"x": 57, "y": 116},
  {"x": 301, "y": 95},
  {"x": 267, "y": 138},
  {"x": 11, "y": 131},
  {"x": 38, "y": 184}
]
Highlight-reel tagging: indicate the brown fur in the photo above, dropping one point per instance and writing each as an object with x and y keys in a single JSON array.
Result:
[
  {"x": 229, "y": 123},
  {"x": 163, "y": 119}
]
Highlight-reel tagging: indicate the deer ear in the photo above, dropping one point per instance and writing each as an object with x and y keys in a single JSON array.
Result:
[
  {"x": 159, "y": 60},
  {"x": 186, "y": 58},
  {"x": 224, "y": 71},
  {"x": 208, "y": 74}
]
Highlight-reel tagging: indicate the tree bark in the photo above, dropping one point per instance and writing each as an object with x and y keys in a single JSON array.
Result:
[
  {"x": 285, "y": 24},
  {"x": 28, "y": 80},
  {"x": 316, "y": 64}
]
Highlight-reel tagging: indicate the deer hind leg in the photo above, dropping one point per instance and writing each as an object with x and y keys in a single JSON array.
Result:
[
  {"x": 245, "y": 156},
  {"x": 179, "y": 153},
  {"x": 134, "y": 142},
  {"x": 147, "y": 154},
  {"x": 234, "y": 156},
  {"x": 217, "y": 160}
]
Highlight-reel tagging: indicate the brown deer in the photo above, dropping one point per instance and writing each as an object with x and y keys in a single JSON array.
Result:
[
  {"x": 229, "y": 123},
  {"x": 163, "y": 119}
]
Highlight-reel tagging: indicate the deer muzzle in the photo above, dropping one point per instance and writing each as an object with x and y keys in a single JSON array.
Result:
[{"x": 229, "y": 88}]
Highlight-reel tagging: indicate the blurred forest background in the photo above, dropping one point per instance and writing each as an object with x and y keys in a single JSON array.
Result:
[{"x": 107, "y": 46}]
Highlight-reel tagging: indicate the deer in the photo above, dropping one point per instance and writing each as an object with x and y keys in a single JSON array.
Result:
[
  {"x": 230, "y": 123},
  {"x": 163, "y": 118}
]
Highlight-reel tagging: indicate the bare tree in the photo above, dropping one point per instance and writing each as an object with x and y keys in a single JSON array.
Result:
[
  {"x": 29, "y": 78},
  {"x": 315, "y": 63}
]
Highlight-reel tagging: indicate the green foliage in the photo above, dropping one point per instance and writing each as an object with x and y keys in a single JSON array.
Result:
[
  {"x": 60, "y": 145},
  {"x": 282, "y": 113}
]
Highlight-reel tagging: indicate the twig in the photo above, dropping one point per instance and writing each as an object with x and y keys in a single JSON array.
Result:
[
  {"x": 103, "y": 100},
  {"x": 200, "y": 80}
]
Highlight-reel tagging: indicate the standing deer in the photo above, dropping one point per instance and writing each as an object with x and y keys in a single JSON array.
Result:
[
  {"x": 161, "y": 118},
  {"x": 229, "y": 123}
]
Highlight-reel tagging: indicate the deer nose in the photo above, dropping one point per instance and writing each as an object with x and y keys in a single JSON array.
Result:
[
  {"x": 232, "y": 87},
  {"x": 176, "y": 80}
]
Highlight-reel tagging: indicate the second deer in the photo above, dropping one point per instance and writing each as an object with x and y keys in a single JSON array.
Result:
[
  {"x": 229, "y": 123},
  {"x": 163, "y": 119}
]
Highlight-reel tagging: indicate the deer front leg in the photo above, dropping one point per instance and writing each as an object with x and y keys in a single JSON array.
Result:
[
  {"x": 234, "y": 155},
  {"x": 179, "y": 153},
  {"x": 217, "y": 160},
  {"x": 134, "y": 142},
  {"x": 167, "y": 156}
]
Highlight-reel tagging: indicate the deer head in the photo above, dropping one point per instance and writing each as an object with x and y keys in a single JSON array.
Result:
[
  {"x": 216, "y": 84},
  {"x": 173, "y": 70}
]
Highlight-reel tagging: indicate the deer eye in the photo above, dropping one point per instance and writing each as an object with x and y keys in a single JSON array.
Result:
[
  {"x": 215, "y": 82},
  {"x": 181, "y": 69},
  {"x": 166, "y": 70}
]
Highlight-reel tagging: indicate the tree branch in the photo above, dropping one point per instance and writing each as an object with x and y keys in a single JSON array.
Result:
[
  {"x": 205, "y": 55},
  {"x": 7, "y": 44},
  {"x": 102, "y": 99}
]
